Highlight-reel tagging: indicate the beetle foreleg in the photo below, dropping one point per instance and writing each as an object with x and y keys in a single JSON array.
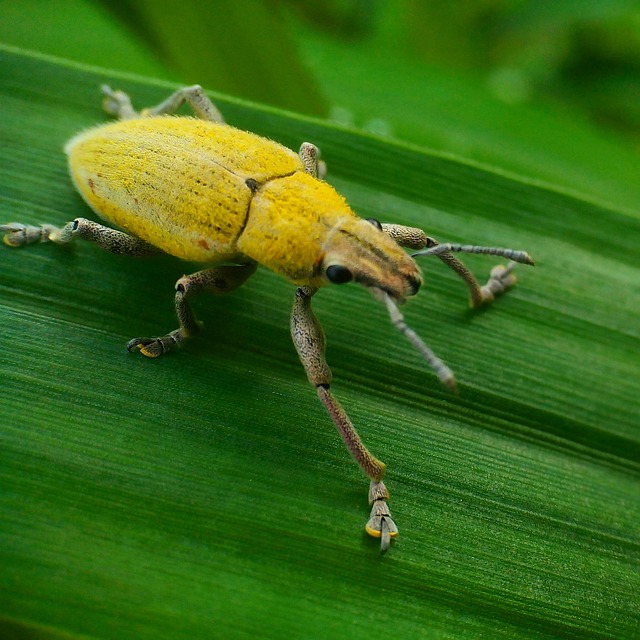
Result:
[
  {"x": 409, "y": 237},
  {"x": 501, "y": 278},
  {"x": 117, "y": 103},
  {"x": 309, "y": 340},
  {"x": 216, "y": 280}
]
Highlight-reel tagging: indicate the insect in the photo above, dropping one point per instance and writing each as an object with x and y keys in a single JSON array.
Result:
[{"x": 203, "y": 191}]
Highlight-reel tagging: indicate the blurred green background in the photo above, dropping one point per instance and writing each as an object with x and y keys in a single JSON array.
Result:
[
  {"x": 488, "y": 80},
  {"x": 181, "y": 498}
]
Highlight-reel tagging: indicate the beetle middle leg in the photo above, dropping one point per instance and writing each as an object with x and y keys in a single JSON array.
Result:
[
  {"x": 310, "y": 156},
  {"x": 309, "y": 340},
  {"x": 216, "y": 280},
  {"x": 118, "y": 103},
  {"x": 501, "y": 277}
]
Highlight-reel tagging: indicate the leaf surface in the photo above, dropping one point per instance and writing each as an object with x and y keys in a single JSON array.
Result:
[{"x": 206, "y": 495}]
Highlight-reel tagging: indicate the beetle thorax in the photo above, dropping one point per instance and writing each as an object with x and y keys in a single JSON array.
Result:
[{"x": 289, "y": 222}]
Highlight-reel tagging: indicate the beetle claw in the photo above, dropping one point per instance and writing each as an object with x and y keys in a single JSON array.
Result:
[
  {"x": 380, "y": 524},
  {"x": 15, "y": 234},
  {"x": 149, "y": 347},
  {"x": 154, "y": 347}
]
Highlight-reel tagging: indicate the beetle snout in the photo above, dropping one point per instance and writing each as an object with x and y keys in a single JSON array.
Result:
[{"x": 400, "y": 286}]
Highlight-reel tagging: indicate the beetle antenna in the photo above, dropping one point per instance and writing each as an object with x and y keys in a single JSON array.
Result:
[
  {"x": 438, "y": 249},
  {"x": 397, "y": 320}
]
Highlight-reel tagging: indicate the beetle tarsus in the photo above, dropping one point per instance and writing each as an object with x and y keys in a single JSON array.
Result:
[
  {"x": 501, "y": 279},
  {"x": 17, "y": 234},
  {"x": 380, "y": 524},
  {"x": 117, "y": 103},
  {"x": 155, "y": 347}
]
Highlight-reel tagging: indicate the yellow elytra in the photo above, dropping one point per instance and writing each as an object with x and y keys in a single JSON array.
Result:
[{"x": 207, "y": 192}]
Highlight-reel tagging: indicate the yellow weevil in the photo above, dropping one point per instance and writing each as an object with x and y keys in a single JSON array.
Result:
[{"x": 204, "y": 191}]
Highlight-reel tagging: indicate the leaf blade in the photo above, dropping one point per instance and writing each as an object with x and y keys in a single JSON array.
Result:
[{"x": 183, "y": 494}]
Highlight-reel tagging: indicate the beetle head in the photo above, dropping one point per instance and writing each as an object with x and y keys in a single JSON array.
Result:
[{"x": 358, "y": 250}]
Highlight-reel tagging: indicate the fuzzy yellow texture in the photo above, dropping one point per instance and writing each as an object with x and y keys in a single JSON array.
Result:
[
  {"x": 177, "y": 183},
  {"x": 291, "y": 220}
]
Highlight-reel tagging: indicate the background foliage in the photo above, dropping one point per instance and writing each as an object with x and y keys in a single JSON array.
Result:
[{"x": 205, "y": 495}]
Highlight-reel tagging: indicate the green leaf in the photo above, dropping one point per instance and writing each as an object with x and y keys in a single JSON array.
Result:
[
  {"x": 242, "y": 47},
  {"x": 486, "y": 117},
  {"x": 206, "y": 495},
  {"x": 77, "y": 30}
]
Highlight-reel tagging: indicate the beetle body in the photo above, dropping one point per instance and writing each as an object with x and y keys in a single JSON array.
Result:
[{"x": 207, "y": 192}]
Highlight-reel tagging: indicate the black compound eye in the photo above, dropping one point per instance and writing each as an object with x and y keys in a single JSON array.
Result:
[
  {"x": 338, "y": 274},
  {"x": 375, "y": 223}
]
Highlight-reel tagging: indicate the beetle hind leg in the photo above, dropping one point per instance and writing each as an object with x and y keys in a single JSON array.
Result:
[
  {"x": 216, "y": 280},
  {"x": 17, "y": 234},
  {"x": 112, "y": 240},
  {"x": 118, "y": 104}
]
